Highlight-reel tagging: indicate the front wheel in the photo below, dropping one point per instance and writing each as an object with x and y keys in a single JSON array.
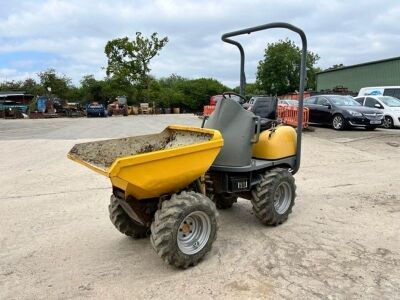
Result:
[
  {"x": 338, "y": 122},
  {"x": 184, "y": 229},
  {"x": 273, "y": 198}
]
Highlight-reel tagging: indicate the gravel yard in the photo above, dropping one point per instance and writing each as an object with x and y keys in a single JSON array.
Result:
[{"x": 342, "y": 240}]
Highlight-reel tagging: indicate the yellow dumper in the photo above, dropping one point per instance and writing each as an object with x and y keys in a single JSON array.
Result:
[{"x": 169, "y": 185}]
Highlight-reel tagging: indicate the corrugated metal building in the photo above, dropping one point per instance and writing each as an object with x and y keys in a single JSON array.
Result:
[{"x": 384, "y": 72}]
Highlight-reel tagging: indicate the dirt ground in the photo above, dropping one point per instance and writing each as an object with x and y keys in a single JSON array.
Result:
[{"x": 342, "y": 240}]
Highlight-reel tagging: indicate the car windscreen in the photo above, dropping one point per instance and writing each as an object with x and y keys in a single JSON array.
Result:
[
  {"x": 343, "y": 101},
  {"x": 292, "y": 102},
  {"x": 390, "y": 101},
  {"x": 310, "y": 100}
]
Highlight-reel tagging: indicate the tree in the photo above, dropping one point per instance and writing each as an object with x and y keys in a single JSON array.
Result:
[
  {"x": 252, "y": 89},
  {"x": 29, "y": 86},
  {"x": 336, "y": 66},
  {"x": 92, "y": 89},
  {"x": 74, "y": 94},
  {"x": 279, "y": 72},
  {"x": 172, "y": 91},
  {"x": 130, "y": 60},
  {"x": 10, "y": 85},
  {"x": 32, "y": 87},
  {"x": 197, "y": 92},
  {"x": 59, "y": 84}
]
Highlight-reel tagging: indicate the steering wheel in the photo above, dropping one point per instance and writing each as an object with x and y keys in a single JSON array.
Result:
[{"x": 233, "y": 93}]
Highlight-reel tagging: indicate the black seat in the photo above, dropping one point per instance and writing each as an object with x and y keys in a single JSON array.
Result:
[{"x": 266, "y": 109}]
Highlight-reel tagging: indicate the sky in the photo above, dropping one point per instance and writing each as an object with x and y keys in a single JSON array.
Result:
[{"x": 70, "y": 35}]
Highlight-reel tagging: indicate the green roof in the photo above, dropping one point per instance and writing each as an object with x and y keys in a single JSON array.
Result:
[{"x": 362, "y": 64}]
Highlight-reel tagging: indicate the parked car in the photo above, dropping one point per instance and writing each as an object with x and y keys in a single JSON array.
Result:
[
  {"x": 341, "y": 112},
  {"x": 389, "y": 106},
  {"x": 288, "y": 102}
]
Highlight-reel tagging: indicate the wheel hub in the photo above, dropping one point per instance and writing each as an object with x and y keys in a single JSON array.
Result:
[
  {"x": 387, "y": 122},
  {"x": 337, "y": 122},
  {"x": 185, "y": 229},
  {"x": 282, "y": 197},
  {"x": 194, "y": 232}
]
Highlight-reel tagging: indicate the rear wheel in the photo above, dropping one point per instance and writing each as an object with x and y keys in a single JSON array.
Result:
[
  {"x": 388, "y": 122},
  {"x": 338, "y": 122},
  {"x": 273, "y": 198},
  {"x": 221, "y": 200},
  {"x": 123, "y": 222},
  {"x": 224, "y": 201},
  {"x": 184, "y": 229}
]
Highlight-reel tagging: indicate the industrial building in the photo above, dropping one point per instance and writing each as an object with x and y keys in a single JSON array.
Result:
[{"x": 384, "y": 72}]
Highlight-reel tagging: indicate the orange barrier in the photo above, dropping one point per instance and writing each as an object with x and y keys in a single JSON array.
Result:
[
  {"x": 288, "y": 115},
  {"x": 294, "y": 96},
  {"x": 281, "y": 112},
  {"x": 208, "y": 109}
]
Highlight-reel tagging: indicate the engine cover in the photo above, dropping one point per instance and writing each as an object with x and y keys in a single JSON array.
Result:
[{"x": 276, "y": 143}]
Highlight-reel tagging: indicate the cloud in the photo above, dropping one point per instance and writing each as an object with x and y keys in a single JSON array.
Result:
[{"x": 70, "y": 35}]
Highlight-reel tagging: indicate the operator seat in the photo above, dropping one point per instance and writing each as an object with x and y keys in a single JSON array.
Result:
[{"x": 266, "y": 109}]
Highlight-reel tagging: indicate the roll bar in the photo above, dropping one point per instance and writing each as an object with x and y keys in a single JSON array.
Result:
[{"x": 226, "y": 38}]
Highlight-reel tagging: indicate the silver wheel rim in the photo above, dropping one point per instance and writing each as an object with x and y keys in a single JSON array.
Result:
[
  {"x": 194, "y": 232},
  {"x": 282, "y": 197},
  {"x": 337, "y": 122},
  {"x": 387, "y": 123}
]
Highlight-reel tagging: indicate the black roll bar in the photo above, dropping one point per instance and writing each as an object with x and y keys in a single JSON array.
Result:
[{"x": 226, "y": 38}]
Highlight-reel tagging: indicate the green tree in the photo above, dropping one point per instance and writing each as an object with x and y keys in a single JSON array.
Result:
[
  {"x": 129, "y": 60},
  {"x": 32, "y": 87},
  {"x": 10, "y": 85},
  {"x": 279, "y": 71},
  {"x": 114, "y": 87},
  {"x": 29, "y": 85},
  {"x": 92, "y": 89},
  {"x": 252, "y": 89},
  {"x": 197, "y": 92},
  {"x": 59, "y": 84},
  {"x": 74, "y": 94},
  {"x": 336, "y": 66}
]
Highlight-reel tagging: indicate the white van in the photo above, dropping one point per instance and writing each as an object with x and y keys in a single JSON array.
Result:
[{"x": 393, "y": 91}]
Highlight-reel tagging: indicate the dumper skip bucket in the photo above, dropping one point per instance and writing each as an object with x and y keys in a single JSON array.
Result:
[{"x": 152, "y": 165}]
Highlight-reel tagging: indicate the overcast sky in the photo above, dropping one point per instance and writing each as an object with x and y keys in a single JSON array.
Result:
[{"x": 70, "y": 36}]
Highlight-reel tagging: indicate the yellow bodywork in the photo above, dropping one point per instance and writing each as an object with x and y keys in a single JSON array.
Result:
[
  {"x": 276, "y": 143},
  {"x": 155, "y": 173}
]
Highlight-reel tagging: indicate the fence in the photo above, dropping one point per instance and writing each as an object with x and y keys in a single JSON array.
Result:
[
  {"x": 288, "y": 114},
  {"x": 208, "y": 109}
]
